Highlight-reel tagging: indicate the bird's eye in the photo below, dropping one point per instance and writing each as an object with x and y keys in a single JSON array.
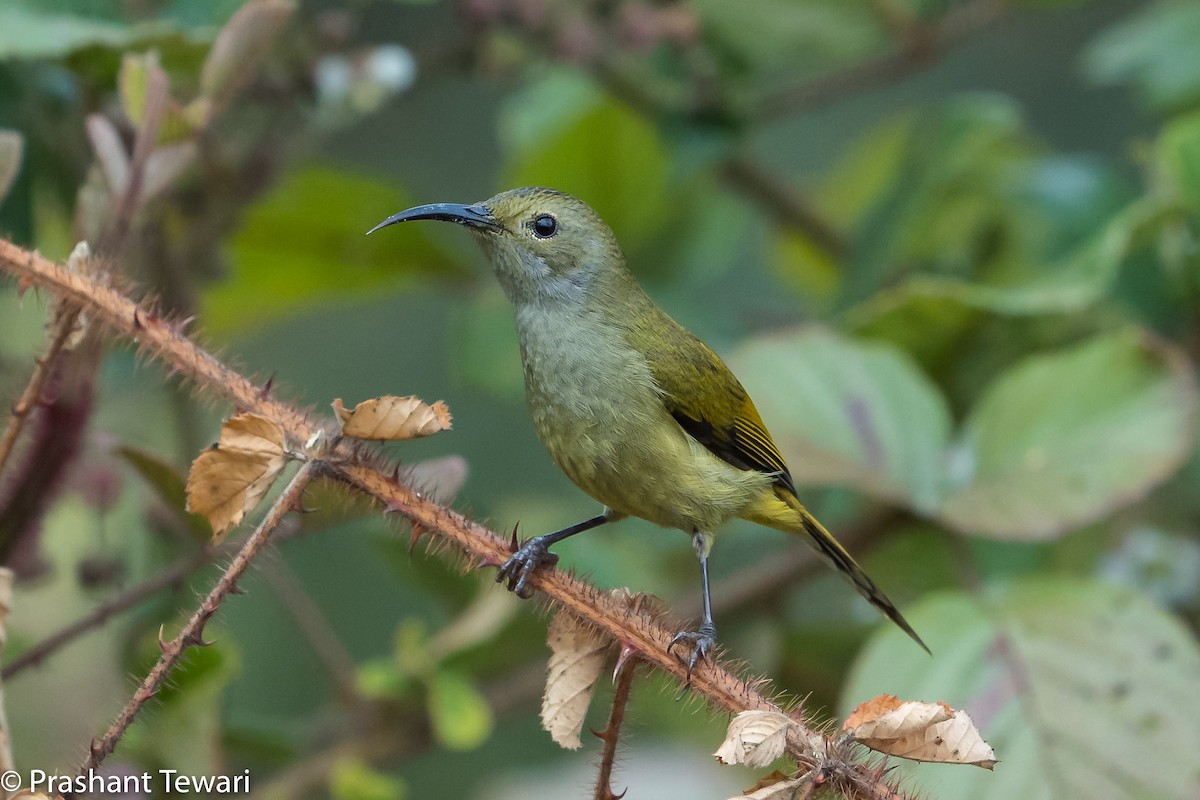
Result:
[{"x": 545, "y": 226}]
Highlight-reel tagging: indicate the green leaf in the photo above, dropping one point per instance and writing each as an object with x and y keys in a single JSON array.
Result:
[
  {"x": 27, "y": 31},
  {"x": 928, "y": 316},
  {"x": 305, "y": 244},
  {"x": 947, "y": 205},
  {"x": 1179, "y": 156},
  {"x": 170, "y": 486},
  {"x": 381, "y": 679},
  {"x": 12, "y": 147},
  {"x": 133, "y": 82},
  {"x": 462, "y": 719},
  {"x": 610, "y": 157},
  {"x": 848, "y": 412},
  {"x": 1063, "y": 439},
  {"x": 1155, "y": 49},
  {"x": 354, "y": 779},
  {"x": 1083, "y": 689},
  {"x": 545, "y": 108}
]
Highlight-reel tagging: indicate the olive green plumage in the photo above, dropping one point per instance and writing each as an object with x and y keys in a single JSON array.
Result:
[{"x": 637, "y": 411}]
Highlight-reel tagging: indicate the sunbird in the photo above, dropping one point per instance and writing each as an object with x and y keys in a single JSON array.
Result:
[{"x": 637, "y": 411}]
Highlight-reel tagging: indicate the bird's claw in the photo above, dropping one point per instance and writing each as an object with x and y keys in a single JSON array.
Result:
[
  {"x": 521, "y": 565},
  {"x": 701, "y": 642}
]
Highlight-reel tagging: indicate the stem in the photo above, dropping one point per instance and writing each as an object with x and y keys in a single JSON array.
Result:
[
  {"x": 65, "y": 317},
  {"x": 924, "y": 42},
  {"x": 787, "y": 206},
  {"x": 193, "y": 632},
  {"x": 611, "y": 734}
]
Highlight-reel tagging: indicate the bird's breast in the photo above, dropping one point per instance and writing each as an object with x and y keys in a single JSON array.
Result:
[{"x": 598, "y": 411}]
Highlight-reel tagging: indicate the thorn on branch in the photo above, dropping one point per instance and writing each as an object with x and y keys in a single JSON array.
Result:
[
  {"x": 180, "y": 329},
  {"x": 196, "y": 640},
  {"x": 418, "y": 531},
  {"x": 627, "y": 652}
]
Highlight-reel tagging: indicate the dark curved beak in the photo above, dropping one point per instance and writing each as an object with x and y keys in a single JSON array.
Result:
[{"x": 471, "y": 216}]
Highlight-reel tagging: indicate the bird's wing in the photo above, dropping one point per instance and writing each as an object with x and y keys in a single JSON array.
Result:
[{"x": 708, "y": 402}]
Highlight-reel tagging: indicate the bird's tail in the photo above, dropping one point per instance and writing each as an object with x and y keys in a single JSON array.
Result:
[{"x": 797, "y": 519}]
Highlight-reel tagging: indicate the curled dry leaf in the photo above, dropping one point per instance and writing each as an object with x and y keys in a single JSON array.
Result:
[
  {"x": 230, "y": 478},
  {"x": 754, "y": 738},
  {"x": 776, "y": 786},
  {"x": 889, "y": 717},
  {"x": 390, "y": 418},
  {"x": 577, "y": 655},
  {"x": 919, "y": 731}
]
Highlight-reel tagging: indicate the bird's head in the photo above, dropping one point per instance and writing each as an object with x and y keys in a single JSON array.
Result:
[{"x": 545, "y": 246}]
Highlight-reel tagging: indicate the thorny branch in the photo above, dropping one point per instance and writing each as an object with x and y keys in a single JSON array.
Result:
[
  {"x": 66, "y": 315},
  {"x": 645, "y": 635},
  {"x": 611, "y": 735},
  {"x": 192, "y": 634}
]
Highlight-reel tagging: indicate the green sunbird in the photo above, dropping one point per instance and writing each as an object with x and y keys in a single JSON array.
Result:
[{"x": 637, "y": 411}]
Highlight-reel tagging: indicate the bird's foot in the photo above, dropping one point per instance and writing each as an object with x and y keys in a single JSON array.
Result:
[
  {"x": 521, "y": 565},
  {"x": 701, "y": 643}
]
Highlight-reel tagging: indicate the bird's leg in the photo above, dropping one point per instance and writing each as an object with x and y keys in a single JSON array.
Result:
[
  {"x": 535, "y": 552},
  {"x": 703, "y": 640}
]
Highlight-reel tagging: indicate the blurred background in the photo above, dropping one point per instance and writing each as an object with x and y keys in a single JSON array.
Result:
[{"x": 949, "y": 247}]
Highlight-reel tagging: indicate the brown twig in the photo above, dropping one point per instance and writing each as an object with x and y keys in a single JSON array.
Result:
[
  {"x": 192, "y": 634},
  {"x": 171, "y": 576},
  {"x": 923, "y": 43},
  {"x": 645, "y": 635},
  {"x": 127, "y": 203},
  {"x": 66, "y": 315},
  {"x": 788, "y": 207},
  {"x": 611, "y": 734}
]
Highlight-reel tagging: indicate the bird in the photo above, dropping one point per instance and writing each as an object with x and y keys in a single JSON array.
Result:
[{"x": 636, "y": 410}]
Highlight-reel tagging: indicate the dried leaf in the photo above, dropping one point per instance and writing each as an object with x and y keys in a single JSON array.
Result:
[
  {"x": 12, "y": 147},
  {"x": 230, "y": 479},
  {"x": 919, "y": 731},
  {"x": 775, "y": 786},
  {"x": 577, "y": 655},
  {"x": 889, "y": 717},
  {"x": 754, "y": 738},
  {"x": 390, "y": 418}
]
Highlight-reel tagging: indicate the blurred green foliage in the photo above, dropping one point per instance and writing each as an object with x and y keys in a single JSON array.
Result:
[{"x": 950, "y": 248}]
